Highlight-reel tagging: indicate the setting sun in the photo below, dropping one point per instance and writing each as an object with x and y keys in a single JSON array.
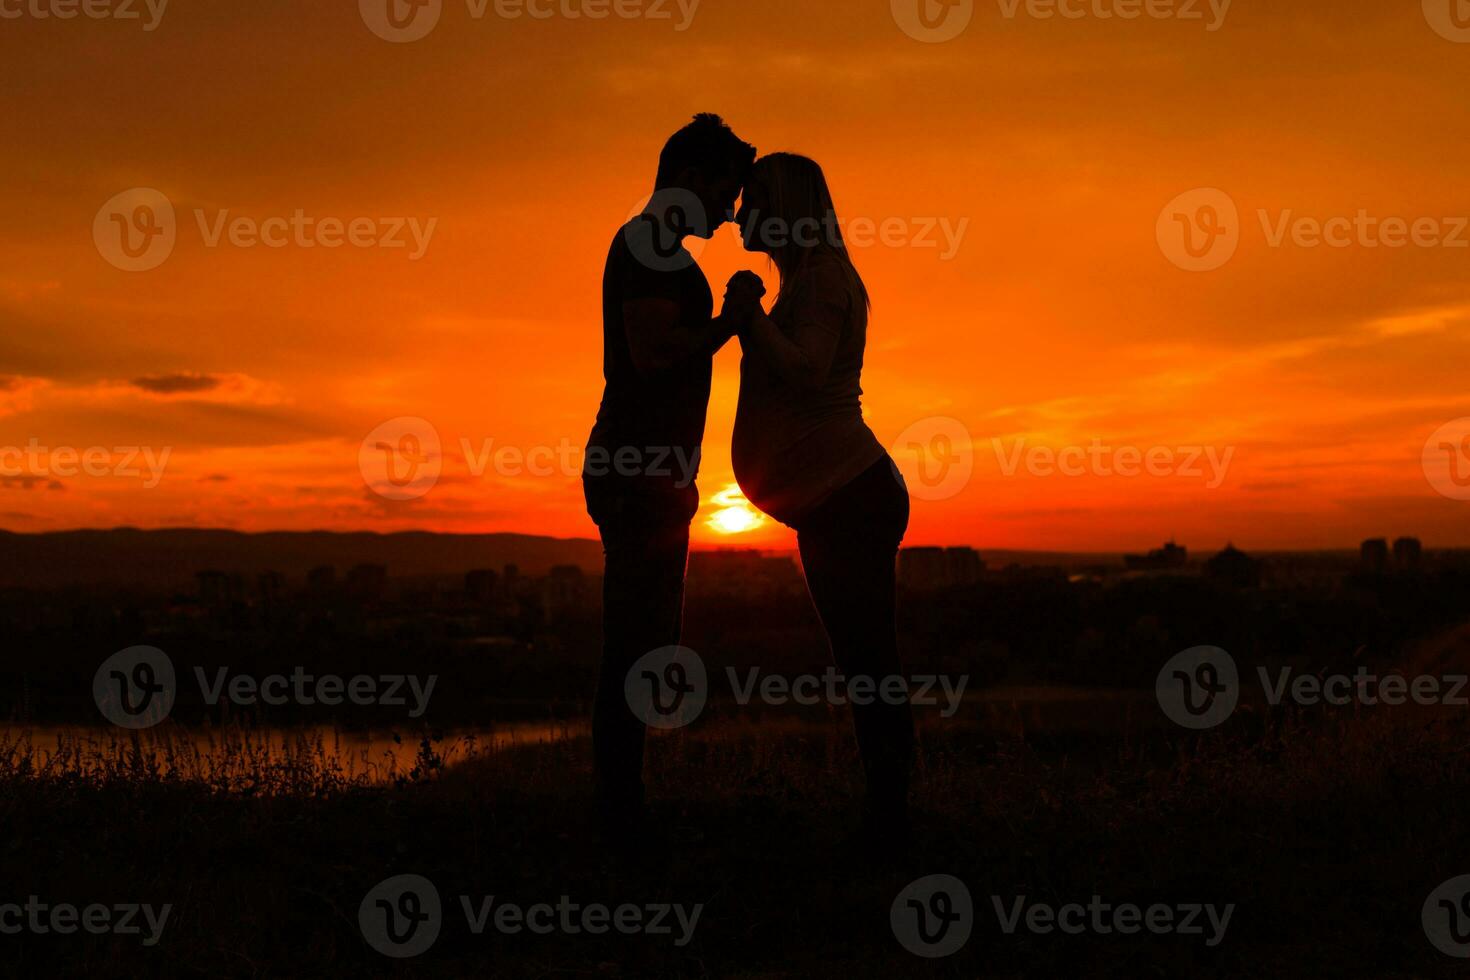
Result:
[{"x": 735, "y": 514}]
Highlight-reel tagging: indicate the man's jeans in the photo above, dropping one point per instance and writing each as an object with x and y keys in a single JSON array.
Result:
[{"x": 645, "y": 541}]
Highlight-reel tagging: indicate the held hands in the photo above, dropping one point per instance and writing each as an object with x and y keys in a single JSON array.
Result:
[{"x": 743, "y": 298}]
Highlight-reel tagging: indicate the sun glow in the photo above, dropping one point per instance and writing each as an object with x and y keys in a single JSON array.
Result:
[{"x": 735, "y": 514}]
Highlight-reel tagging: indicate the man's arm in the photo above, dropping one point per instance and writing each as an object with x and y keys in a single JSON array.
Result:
[{"x": 658, "y": 343}]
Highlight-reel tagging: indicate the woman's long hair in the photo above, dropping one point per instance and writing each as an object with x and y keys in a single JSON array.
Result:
[{"x": 802, "y": 222}]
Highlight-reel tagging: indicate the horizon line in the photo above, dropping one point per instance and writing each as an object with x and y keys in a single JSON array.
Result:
[{"x": 732, "y": 546}]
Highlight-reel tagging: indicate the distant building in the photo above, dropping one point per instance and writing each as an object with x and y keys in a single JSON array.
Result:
[
  {"x": 1169, "y": 556},
  {"x": 367, "y": 581},
  {"x": 514, "y": 584},
  {"x": 321, "y": 580},
  {"x": 479, "y": 585},
  {"x": 931, "y": 569},
  {"x": 1235, "y": 568},
  {"x": 271, "y": 586},
  {"x": 1407, "y": 553},
  {"x": 565, "y": 588},
  {"x": 745, "y": 573},
  {"x": 1374, "y": 555},
  {"x": 215, "y": 586},
  {"x": 966, "y": 567}
]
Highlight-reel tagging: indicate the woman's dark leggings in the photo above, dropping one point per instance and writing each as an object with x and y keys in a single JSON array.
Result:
[{"x": 849, "y": 546}]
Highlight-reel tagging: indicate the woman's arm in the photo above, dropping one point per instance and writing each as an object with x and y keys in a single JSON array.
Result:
[{"x": 804, "y": 358}]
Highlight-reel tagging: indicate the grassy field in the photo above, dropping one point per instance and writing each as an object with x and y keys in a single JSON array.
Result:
[{"x": 1326, "y": 834}]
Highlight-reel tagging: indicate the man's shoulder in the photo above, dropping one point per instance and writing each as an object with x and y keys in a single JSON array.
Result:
[{"x": 618, "y": 247}]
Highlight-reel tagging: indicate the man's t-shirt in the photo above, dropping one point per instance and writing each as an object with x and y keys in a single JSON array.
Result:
[{"x": 649, "y": 430}]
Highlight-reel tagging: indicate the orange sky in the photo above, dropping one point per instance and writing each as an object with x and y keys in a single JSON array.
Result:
[{"x": 1059, "y": 321}]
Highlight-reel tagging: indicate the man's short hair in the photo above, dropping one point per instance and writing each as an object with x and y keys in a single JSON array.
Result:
[{"x": 708, "y": 145}]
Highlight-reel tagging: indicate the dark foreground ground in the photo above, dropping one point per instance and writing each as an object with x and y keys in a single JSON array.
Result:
[{"x": 1326, "y": 834}]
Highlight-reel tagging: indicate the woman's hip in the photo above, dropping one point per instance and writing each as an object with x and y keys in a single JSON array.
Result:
[{"x": 871, "y": 511}]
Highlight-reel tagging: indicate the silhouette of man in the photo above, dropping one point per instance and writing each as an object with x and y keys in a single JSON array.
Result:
[{"x": 659, "y": 339}]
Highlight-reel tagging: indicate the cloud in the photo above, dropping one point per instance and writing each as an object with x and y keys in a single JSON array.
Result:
[
  {"x": 29, "y": 482},
  {"x": 194, "y": 387},
  {"x": 17, "y": 394},
  {"x": 177, "y": 384}
]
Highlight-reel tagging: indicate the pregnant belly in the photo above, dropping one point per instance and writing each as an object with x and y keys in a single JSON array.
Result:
[{"x": 785, "y": 477}]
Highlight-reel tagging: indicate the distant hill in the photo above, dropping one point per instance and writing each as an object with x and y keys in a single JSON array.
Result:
[{"x": 168, "y": 559}]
